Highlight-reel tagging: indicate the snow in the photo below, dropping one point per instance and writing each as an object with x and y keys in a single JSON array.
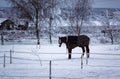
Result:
[
  {"x": 32, "y": 62},
  {"x": 2, "y": 19}
]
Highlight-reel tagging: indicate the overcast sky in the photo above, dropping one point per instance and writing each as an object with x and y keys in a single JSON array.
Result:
[
  {"x": 3, "y": 3},
  {"x": 97, "y": 3},
  {"x": 107, "y": 3}
]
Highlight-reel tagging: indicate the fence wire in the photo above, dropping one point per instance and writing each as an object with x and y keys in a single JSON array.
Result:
[
  {"x": 18, "y": 58},
  {"x": 40, "y": 77},
  {"x": 98, "y": 53},
  {"x": 57, "y": 60}
]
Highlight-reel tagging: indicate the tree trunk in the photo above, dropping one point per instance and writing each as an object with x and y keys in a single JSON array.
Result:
[
  {"x": 111, "y": 37},
  {"x": 37, "y": 29},
  {"x": 50, "y": 33},
  {"x": 80, "y": 27}
]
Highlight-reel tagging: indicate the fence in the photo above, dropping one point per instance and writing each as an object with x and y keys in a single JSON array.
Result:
[{"x": 49, "y": 75}]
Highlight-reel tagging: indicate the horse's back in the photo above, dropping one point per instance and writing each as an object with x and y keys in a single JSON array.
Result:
[{"x": 83, "y": 40}]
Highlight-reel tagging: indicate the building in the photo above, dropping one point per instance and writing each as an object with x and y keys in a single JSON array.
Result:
[{"x": 7, "y": 25}]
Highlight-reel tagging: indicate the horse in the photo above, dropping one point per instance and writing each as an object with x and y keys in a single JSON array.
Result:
[{"x": 75, "y": 41}]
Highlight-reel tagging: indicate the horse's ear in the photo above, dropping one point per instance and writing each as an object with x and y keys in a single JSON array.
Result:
[{"x": 59, "y": 37}]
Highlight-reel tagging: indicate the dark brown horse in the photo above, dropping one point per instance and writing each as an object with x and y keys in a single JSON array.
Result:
[{"x": 74, "y": 41}]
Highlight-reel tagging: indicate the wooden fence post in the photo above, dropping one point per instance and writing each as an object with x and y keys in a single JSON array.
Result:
[
  {"x": 81, "y": 62},
  {"x": 4, "y": 61},
  {"x": 2, "y": 39},
  {"x": 50, "y": 71},
  {"x": 10, "y": 56}
]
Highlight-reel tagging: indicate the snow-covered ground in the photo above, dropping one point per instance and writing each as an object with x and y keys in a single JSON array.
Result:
[{"x": 32, "y": 62}]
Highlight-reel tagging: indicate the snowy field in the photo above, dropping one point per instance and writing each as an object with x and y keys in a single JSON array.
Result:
[{"x": 32, "y": 62}]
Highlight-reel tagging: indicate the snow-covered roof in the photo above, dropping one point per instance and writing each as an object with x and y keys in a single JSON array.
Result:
[{"x": 2, "y": 19}]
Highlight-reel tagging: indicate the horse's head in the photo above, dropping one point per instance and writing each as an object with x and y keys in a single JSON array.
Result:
[{"x": 61, "y": 40}]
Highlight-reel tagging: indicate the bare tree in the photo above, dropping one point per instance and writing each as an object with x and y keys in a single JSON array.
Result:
[
  {"x": 28, "y": 9},
  {"x": 108, "y": 20},
  {"x": 81, "y": 11},
  {"x": 51, "y": 15},
  {"x": 33, "y": 10}
]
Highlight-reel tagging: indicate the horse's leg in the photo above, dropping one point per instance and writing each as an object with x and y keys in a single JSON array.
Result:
[
  {"x": 83, "y": 49},
  {"x": 69, "y": 53},
  {"x": 87, "y": 51},
  {"x": 87, "y": 54}
]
